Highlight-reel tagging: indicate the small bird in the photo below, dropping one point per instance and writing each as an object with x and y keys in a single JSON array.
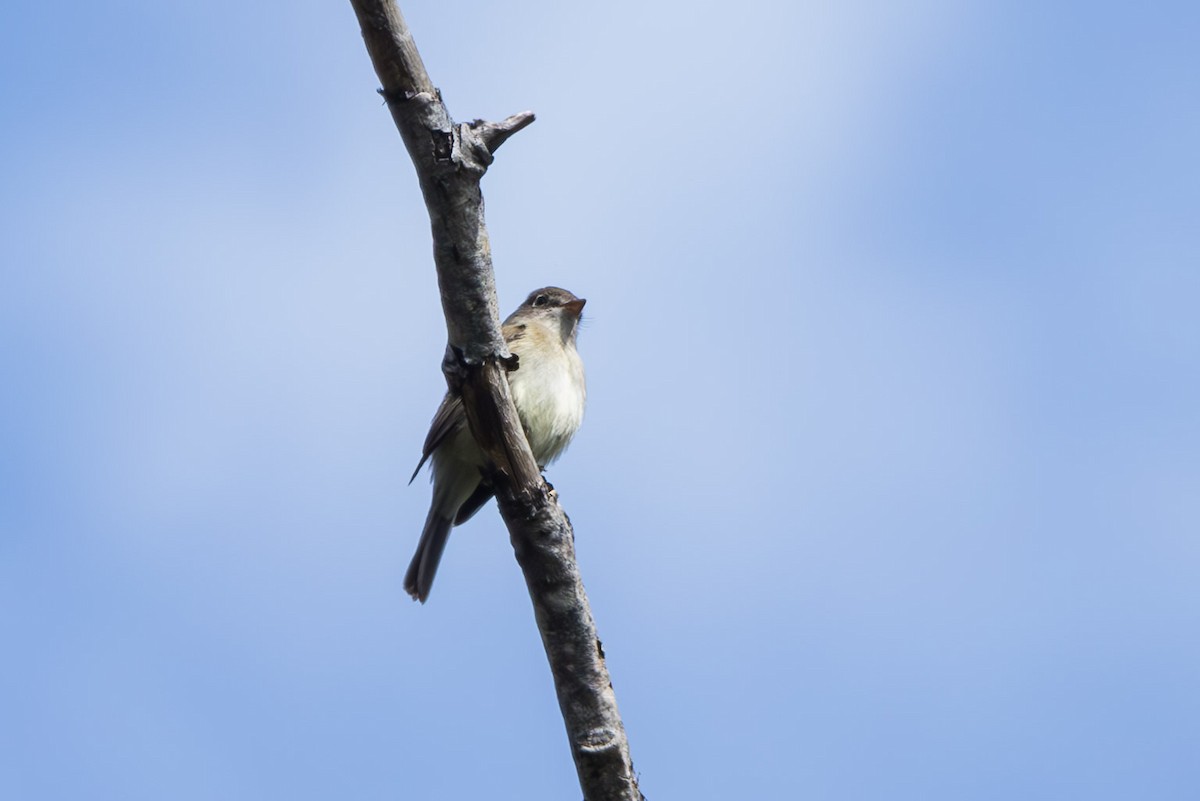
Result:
[{"x": 549, "y": 391}]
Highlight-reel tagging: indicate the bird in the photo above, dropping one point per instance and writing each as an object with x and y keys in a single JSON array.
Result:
[{"x": 549, "y": 391}]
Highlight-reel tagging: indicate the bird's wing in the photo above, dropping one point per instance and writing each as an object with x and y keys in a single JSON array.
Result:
[
  {"x": 450, "y": 417},
  {"x": 482, "y": 494},
  {"x": 448, "y": 421}
]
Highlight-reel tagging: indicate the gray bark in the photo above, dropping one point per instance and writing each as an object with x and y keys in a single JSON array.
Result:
[{"x": 450, "y": 159}]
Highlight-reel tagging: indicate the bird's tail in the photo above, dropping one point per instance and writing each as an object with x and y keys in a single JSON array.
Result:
[{"x": 419, "y": 579}]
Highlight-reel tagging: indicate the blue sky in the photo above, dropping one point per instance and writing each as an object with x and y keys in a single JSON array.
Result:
[{"x": 889, "y": 486}]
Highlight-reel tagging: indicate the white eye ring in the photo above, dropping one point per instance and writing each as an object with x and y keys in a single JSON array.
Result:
[{"x": 541, "y": 300}]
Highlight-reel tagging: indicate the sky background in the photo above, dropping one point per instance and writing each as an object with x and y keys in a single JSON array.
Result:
[{"x": 889, "y": 486}]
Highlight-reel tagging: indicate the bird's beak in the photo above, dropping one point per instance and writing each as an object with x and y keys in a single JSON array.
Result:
[{"x": 575, "y": 307}]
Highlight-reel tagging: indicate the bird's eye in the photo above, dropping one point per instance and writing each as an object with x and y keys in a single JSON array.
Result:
[{"x": 541, "y": 300}]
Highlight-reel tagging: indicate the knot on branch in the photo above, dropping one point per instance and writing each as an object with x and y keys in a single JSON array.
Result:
[
  {"x": 529, "y": 501},
  {"x": 477, "y": 141},
  {"x": 600, "y": 739},
  {"x": 456, "y": 361},
  {"x": 493, "y": 134},
  {"x": 400, "y": 96}
]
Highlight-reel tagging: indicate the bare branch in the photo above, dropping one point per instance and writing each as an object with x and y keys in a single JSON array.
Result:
[{"x": 450, "y": 160}]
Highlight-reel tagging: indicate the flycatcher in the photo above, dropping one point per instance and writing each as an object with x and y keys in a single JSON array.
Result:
[{"x": 549, "y": 392}]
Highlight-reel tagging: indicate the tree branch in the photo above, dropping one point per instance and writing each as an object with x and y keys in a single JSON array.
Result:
[{"x": 450, "y": 160}]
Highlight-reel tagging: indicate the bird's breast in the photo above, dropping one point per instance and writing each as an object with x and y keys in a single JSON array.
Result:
[{"x": 550, "y": 393}]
